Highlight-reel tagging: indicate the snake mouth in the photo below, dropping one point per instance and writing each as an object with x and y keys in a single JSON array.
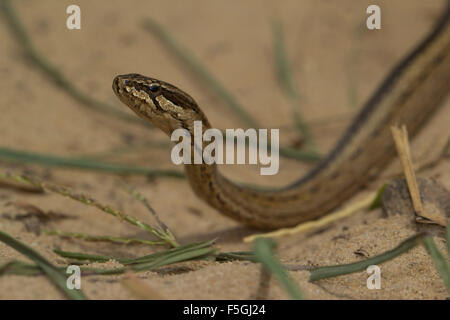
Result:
[
  {"x": 117, "y": 86},
  {"x": 115, "y": 83}
]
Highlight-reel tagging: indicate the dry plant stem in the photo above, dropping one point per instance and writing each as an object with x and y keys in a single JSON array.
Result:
[
  {"x": 404, "y": 153},
  {"x": 165, "y": 231},
  {"x": 47, "y": 187},
  {"x": 402, "y": 145},
  {"x": 316, "y": 224}
]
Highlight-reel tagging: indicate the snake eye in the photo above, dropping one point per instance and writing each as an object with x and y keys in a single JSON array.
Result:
[{"x": 153, "y": 87}]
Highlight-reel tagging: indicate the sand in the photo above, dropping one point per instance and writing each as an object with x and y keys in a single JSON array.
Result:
[{"x": 336, "y": 65}]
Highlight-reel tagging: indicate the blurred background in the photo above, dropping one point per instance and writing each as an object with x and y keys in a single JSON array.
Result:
[
  {"x": 305, "y": 67},
  {"x": 314, "y": 60}
]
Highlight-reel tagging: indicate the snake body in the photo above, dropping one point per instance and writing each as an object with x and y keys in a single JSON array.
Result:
[{"x": 412, "y": 91}]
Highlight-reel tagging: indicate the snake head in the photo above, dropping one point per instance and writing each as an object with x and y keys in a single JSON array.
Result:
[{"x": 159, "y": 102}]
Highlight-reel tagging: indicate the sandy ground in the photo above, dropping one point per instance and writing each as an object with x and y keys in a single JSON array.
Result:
[{"x": 331, "y": 53}]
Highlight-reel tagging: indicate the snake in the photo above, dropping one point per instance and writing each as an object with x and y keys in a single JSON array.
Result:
[{"x": 410, "y": 93}]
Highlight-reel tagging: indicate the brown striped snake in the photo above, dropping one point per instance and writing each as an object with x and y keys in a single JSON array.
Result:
[{"x": 412, "y": 91}]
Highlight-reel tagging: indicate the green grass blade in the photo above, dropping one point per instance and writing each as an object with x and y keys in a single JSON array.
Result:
[
  {"x": 27, "y": 269},
  {"x": 124, "y": 150},
  {"x": 139, "y": 260},
  {"x": 333, "y": 271},
  {"x": 20, "y": 268},
  {"x": 284, "y": 68},
  {"x": 152, "y": 261},
  {"x": 377, "y": 201},
  {"x": 90, "y": 237},
  {"x": 282, "y": 63},
  {"x": 439, "y": 260},
  {"x": 310, "y": 156},
  {"x": 78, "y": 163},
  {"x": 56, "y": 275},
  {"x": 353, "y": 61},
  {"x": 163, "y": 261},
  {"x": 83, "y": 256},
  {"x": 173, "y": 258},
  {"x": 170, "y": 253},
  {"x": 104, "y": 272},
  {"x": 263, "y": 251}
]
